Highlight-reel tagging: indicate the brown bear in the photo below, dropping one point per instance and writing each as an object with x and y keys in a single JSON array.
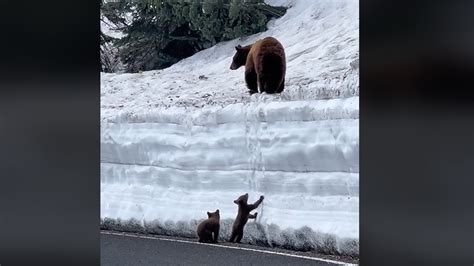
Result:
[
  {"x": 208, "y": 227},
  {"x": 265, "y": 65},
  {"x": 242, "y": 216}
]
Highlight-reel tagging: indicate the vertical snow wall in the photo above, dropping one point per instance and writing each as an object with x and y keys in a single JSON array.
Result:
[{"x": 161, "y": 171}]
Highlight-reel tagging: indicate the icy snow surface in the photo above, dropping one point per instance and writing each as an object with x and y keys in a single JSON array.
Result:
[{"x": 174, "y": 146}]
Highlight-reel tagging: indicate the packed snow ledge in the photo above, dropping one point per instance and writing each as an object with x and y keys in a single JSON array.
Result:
[{"x": 178, "y": 142}]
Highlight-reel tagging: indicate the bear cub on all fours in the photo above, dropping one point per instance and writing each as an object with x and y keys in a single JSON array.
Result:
[
  {"x": 208, "y": 227},
  {"x": 265, "y": 65},
  {"x": 242, "y": 216}
]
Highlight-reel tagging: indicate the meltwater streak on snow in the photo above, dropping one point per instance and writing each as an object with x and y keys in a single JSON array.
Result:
[
  {"x": 174, "y": 146},
  {"x": 309, "y": 144}
]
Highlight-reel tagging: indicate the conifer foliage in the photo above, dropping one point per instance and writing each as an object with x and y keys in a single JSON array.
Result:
[{"x": 158, "y": 33}]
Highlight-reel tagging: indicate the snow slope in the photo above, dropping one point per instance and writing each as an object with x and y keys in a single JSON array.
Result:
[
  {"x": 174, "y": 146},
  {"x": 320, "y": 40}
]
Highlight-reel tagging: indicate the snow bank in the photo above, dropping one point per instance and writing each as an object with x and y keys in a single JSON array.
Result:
[
  {"x": 163, "y": 169},
  {"x": 174, "y": 145}
]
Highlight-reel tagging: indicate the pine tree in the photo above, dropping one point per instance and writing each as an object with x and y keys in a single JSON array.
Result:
[{"x": 163, "y": 32}]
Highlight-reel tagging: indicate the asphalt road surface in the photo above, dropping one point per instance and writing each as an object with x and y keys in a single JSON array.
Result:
[{"x": 133, "y": 249}]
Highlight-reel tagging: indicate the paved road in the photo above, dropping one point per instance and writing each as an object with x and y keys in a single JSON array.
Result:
[{"x": 132, "y": 249}]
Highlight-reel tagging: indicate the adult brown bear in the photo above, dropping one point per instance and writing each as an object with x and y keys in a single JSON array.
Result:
[
  {"x": 243, "y": 216},
  {"x": 208, "y": 227},
  {"x": 265, "y": 65}
]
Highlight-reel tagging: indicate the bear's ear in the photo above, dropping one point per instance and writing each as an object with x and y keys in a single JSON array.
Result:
[
  {"x": 238, "y": 47},
  {"x": 217, "y": 211},
  {"x": 208, "y": 214}
]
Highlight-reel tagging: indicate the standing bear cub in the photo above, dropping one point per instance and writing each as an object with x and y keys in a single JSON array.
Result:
[
  {"x": 242, "y": 216},
  {"x": 265, "y": 65},
  {"x": 208, "y": 227}
]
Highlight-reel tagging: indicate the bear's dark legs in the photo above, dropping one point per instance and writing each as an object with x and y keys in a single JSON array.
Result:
[
  {"x": 216, "y": 236},
  {"x": 251, "y": 80},
  {"x": 282, "y": 87},
  {"x": 261, "y": 83},
  {"x": 269, "y": 85},
  {"x": 266, "y": 84},
  {"x": 205, "y": 237},
  {"x": 232, "y": 237},
  {"x": 255, "y": 205},
  {"x": 239, "y": 237}
]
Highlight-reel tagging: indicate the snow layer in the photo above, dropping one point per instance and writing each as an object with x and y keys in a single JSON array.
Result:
[{"x": 174, "y": 146}]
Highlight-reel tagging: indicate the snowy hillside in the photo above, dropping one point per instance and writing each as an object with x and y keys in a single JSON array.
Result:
[
  {"x": 320, "y": 40},
  {"x": 174, "y": 145}
]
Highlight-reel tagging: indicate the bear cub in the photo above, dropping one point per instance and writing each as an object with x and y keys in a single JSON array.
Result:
[
  {"x": 265, "y": 65},
  {"x": 208, "y": 227},
  {"x": 242, "y": 216}
]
